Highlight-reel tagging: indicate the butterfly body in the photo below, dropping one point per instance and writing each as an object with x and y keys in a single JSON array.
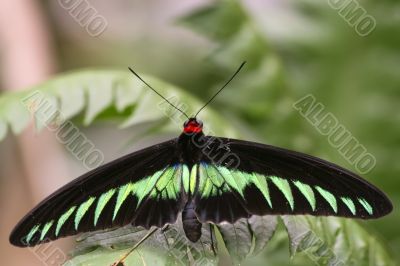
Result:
[{"x": 191, "y": 225}]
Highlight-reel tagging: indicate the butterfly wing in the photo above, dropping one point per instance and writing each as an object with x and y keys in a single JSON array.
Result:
[
  {"x": 142, "y": 188},
  {"x": 239, "y": 178}
]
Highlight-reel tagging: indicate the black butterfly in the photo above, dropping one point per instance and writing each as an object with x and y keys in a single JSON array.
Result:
[{"x": 208, "y": 179}]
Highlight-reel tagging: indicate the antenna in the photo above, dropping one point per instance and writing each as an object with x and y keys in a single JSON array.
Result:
[
  {"x": 134, "y": 73},
  {"x": 223, "y": 87}
]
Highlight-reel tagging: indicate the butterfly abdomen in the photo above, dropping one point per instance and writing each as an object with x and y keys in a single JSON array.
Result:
[{"x": 191, "y": 224}]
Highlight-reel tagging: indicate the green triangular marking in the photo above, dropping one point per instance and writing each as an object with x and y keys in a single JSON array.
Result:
[
  {"x": 284, "y": 187},
  {"x": 366, "y": 205},
  {"x": 45, "y": 229},
  {"x": 214, "y": 175},
  {"x": 230, "y": 180},
  {"x": 185, "y": 178},
  {"x": 260, "y": 181},
  {"x": 32, "y": 233},
  {"x": 242, "y": 179},
  {"x": 101, "y": 203},
  {"x": 177, "y": 179},
  {"x": 205, "y": 184},
  {"x": 123, "y": 193},
  {"x": 193, "y": 178},
  {"x": 329, "y": 197},
  {"x": 307, "y": 192},
  {"x": 165, "y": 178},
  {"x": 83, "y": 208},
  {"x": 64, "y": 218},
  {"x": 144, "y": 187},
  {"x": 350, "y": 204}
]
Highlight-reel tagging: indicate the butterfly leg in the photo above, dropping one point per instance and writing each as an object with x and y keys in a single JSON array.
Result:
[
  {"x": 212, "y": 239},
  {"x": 120, "y": 262},
  {"x": 163, "y": 230}
]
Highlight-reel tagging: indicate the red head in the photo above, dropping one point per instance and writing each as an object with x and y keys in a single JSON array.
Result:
[{"x": 192, "y": 125}]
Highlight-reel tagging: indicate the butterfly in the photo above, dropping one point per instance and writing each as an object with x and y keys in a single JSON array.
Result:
[{"x": 205, "y": 178}]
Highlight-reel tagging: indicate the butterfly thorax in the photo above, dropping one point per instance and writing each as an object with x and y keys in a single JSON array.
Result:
[{"x": 190, "y": 142}]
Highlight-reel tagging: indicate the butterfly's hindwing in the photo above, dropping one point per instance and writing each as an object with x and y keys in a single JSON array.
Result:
[{"x": 270, "y": 180}]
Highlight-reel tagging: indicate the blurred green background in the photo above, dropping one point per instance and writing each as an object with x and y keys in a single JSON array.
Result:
[{"x": 293, "y": 48}]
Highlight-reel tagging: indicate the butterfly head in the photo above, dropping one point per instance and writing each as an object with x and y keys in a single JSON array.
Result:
[{"x": 192, "y": 125}]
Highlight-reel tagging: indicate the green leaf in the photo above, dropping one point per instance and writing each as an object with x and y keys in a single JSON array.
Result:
[
  {"x": 71, "y": 98},
  {"x": 100, "y": 96},
  {"x": 262, "y": 228},
  {"x": 208, "y": 20},
  {"x": 247, "y": 236},
  {"x": 14, "y": 112},
  {"x": 125, "y": 96},
  {"x": 334, "y": 241},
  {"x": 238, "y": 238}
]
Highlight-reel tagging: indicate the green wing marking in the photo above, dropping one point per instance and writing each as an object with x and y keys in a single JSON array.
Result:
[
  {"x": 102, "y": 202},
  {"x": 350, "y": 204},
  {"x": 235, "y": 182},
  {"x": 366, "y": 205},
  {"x": 329, "y": 197},
  {"x": 307, "y": 192},
  {"x": 123, "y": 193},
  {"x": 193, "y": 177},
  {"x": 64, "y": 218},
  {"x": 284, "y": 187},
  {"x": 46, "y": 229},
  {"x": 185, "y": 178},
  {"x": 261, "y": 183},
  {"x": 168, "y": 186},
  {"x": 83, "y": 208},
  {"x": 32, "y": 233},
  {"x": 211, "y": 182}
]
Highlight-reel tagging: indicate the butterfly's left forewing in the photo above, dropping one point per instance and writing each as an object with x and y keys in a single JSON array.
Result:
[
  {"x": 270, "y": 180},
  {"x": 142, "y": 188}
]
